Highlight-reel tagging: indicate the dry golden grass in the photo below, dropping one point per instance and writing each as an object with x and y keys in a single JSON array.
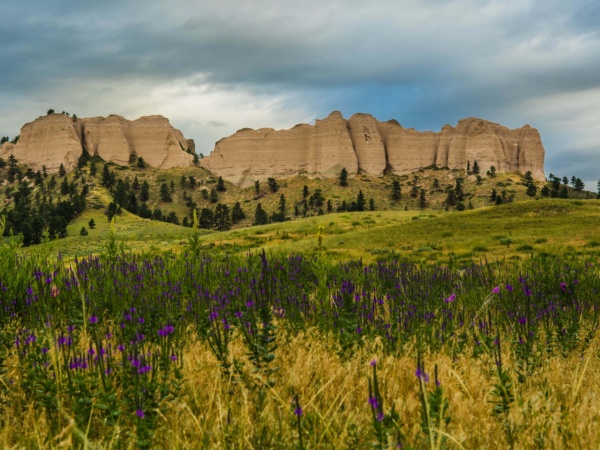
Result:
[{"x": 557, "y": 407}]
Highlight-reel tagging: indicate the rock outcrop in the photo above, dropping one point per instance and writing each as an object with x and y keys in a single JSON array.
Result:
[
  {"x": 58, "y": 139},
  {"x": 363, "y": 144}
]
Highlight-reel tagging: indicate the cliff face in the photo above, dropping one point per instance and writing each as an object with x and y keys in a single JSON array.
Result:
[
  {"x": 57, "y": 139},
  {"x": 363, "y": 144}
]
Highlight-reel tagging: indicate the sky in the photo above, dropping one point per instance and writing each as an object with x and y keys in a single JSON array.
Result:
[{"x": 213, "y": 67}]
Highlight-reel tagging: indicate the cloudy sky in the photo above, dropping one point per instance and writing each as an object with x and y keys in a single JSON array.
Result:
[{"x": 213, "y": 67}]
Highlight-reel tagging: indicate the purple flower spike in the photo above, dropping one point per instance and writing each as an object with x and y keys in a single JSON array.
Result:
[
  {"x": 422, "y": 375},
  {"x": 450, "y": 299},
  {"x": 373, "y": 362},
  {"x": 140, "y": 413},
  {"x": 93, "y": 319},
  {"x": 496, "y": 290},
  {"x": 298, "y": 411}
]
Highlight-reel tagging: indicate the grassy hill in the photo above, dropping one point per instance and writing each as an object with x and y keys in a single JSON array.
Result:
[{"x": 435, "y": 232}]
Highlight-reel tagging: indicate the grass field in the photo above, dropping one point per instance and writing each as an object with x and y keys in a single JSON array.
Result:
[{"x": 513, "y": 230}]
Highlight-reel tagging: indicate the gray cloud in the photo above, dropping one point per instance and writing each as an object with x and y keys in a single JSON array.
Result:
[{"x": 212, "y": 65}]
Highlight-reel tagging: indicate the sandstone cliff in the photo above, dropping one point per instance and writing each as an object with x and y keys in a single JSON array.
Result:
[
  {"x": 363, "y": 144},
  {"x": 58, "y": 139}
]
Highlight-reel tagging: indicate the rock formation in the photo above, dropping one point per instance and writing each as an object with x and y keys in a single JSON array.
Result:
[
  {"x": 58, "y": 139},
  {"x": 363, "y": 144}
]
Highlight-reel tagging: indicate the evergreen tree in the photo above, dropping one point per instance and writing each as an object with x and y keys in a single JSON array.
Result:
[
  {"x": 257, "y": 187},
  {"x": 222, "y": 218},
  {"x": 396, "y": 191},
  {"x": 371, "y": 204},
  {"x": 494, "y": 195},
  {"x": 92, "y": 224},
  {"x": 476, "y": 168},
  {"x": 344, "y": 177},
  {"x": 598, "y": 195},
  {"x": 136, "y": 183},
  {"x": 564, "y": 193},
  {"x": 172, "y": 218},
  {"x": 83, "y": 232},
  {"x": 145, "y": 192},
  {"x": 531, "y": 189},
  {"x": 492, "y": 172},
  {"x": 422, "y": 199},
  {"x": 296, "y": 211},
  {"x": 360, "y": 201},
  {"x": 329, "y": 206},
  {"x": 93, "y": 168},
  {"x": 214, "y": 197},
  {"x": 157, "y": 214},
  {"x": 279, "y": 216},
  {"x": 140, "y": 163},
  {"x": 237, "y": 213},
  {"x": 107, "y": 178},
  {"x": 192, "y": 183},
  {"x": 305, "y": 192},
  {"x": 172, "y": 186},
  {"x": 578, "y": 185},
  {"x": 64, "y": 187},
  {"x": 165, "y": 195},
  {"x": 468, "y": 167},
  {"x": 221, "y": 185},
  {"x": 206, "y": 218},
  {"x": 61, "y": 170},
  {"x": 316, "y": 200},
  {"x": 545, "y": 191},
  {"x": 273, "y": 186},
  {"x": 565, "y": 181},
  {"x": 182, "y": 181},
  {"x": 260, "y": 216}
]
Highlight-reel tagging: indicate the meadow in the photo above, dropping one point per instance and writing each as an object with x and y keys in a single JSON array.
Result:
[{"x": 285, "y": 344}]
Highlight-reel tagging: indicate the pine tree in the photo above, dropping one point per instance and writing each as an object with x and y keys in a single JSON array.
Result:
[
  {"x": 598, "y": 195},
  {"x": 329, "y": 206},
  {"x": 360, "y": 201},
  {"x": 396, "y": 191},
  {"x": 305, "y": 192},
  {"x": 221, "y": 185},
  {"x": 273, "y": 186},
  {"x": 145, "y": 192},
  {"x": 83, "y": 232},
  {"x": 206, "y": 218},
  {"x": 165, "y": 195},
  {"x": 106, "y": 176},
  {"x": 257, "y": 187},
  {"x": 260, "y": 216},
  {"x": 140, "y": 163},
  {"x": 237, "y": 213},
  {"x": 371, "y": 204},
  {"x": 476, "y": 168},
  {"x": 222, "y": 218},
  {"x": 61, "y": 170},
  {"x": 422, "y": 199},
  {"x": 343, "y": 177},
  {"x": 92, "y": 224},
  {"x": 214, "y": 197}
]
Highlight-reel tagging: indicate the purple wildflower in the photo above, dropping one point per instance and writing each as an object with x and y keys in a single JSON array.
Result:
[
  {"x": 496, "y": 290},
  {"x": 93, "y": 319},
  {"x": 140, "y": 413},
  {"x": 450, "y": 299}
]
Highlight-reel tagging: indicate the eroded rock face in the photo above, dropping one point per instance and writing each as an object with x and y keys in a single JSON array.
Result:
[
  {"x": 57, "y": 139},
  {"x": 363, "y": 144}
]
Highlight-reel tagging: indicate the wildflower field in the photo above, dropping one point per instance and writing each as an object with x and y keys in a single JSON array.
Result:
[{"x": 194, "y": 350}]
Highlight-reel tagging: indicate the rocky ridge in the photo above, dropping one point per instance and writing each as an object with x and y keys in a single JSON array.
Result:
[
  {"x": 363, "y": 144},
  {"x": 58, "y": 139}
]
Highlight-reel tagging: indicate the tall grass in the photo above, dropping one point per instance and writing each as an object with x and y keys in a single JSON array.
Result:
[{"x": 281, "y": 351}]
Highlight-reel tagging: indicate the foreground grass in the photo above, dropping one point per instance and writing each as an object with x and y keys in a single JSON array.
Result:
[
  {"x": 272, "y": 351},
  {"x": 558, "y": 408}
]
